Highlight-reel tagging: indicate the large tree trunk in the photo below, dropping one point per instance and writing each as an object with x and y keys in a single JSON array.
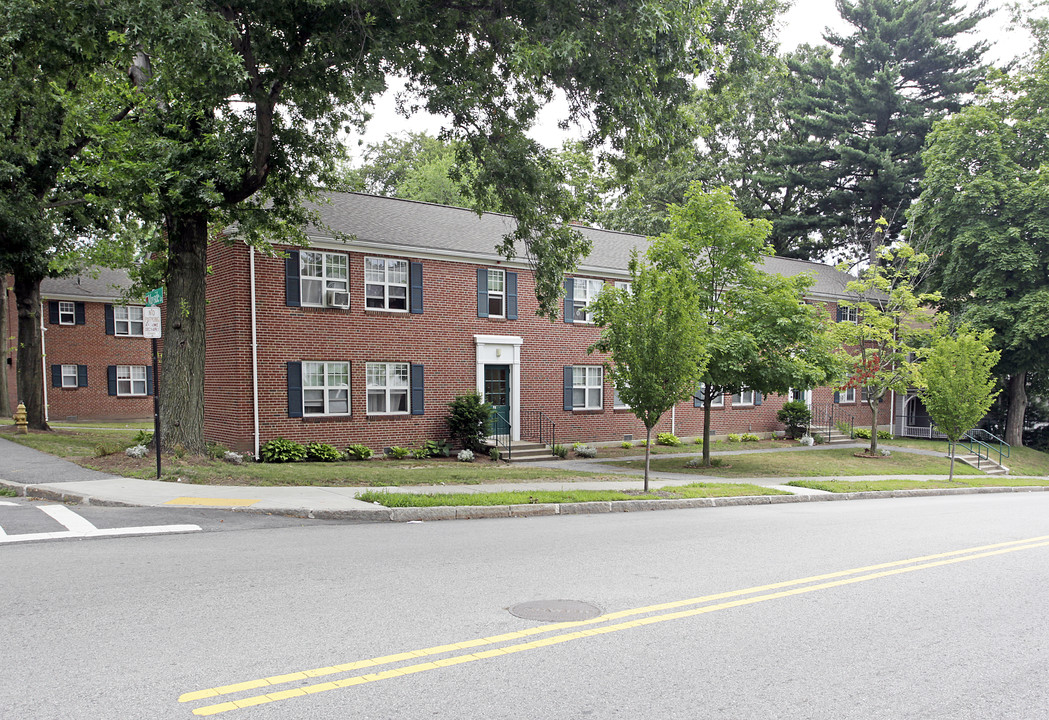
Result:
[
  {"x": 30, "y": 380},
  {"x": 5, "y": 391},
  {"x": 1014, "y": 421},
  {"x": 182, "y": 367}
]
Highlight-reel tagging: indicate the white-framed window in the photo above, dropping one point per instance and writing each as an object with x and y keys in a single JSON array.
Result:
[
  {"x": 848, "y": 314},
  {"x": 388, "y": 385},
  {"x": 584, "y": 291},
  {"x": 69, "y": 375},
  {"x": 496, "y": 293},
  {"x": 798, "y": 395},
  {"x": 66, "y": 313},
  {"x": 587, "y": 387},
  {"x": 848, "y": 395},
  {"x": 320, "y": 272},
  {"x": 744, "y": 397},
  {"x": 617, "y": 402},
  {"x": 624, "y": 285},
  {"x": 131, "y": 379},
  {"x": 386, "y": 284},
  {"x": 127, "y": 321},
  {"x": 325, "y": 388},
  {"x": 718, "y": 401}
]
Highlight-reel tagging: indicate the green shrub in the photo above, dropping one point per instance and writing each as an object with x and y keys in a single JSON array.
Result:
[
  {"x": 626, "y": 445},
  {"x": 143, "y": 437},
  {"x": 733, "y": 437},
  {"x": 8, "y": 492},
  {"x": 495, "y": 453},
  {"x": 750, "y": 437},
  {"x": 862, "y": 433},
  {"x": 884, "y": 435},
  {"x": 468, "y": 419},
  {"x": 397, "y": 452},
  {"x": 322, "y": 452},
  {"x": 215, "y": 451},
  {"x": 103, "y": 448},
  {"x": 279, "y": 450},
  {"x": 818, "y": 439},
  {"x": 642, "y": 443},
  {"x": 699, "y": 441},
  {"x": 560, "y": 451},
  {"x": 358, "y": 452},
  {"x": 576, "y": 446},
  {"x": 842, "y": 427},
  {"x": 665, "y": 438},
  {"x": 796, "y": 415},
  {"x": 437, "y": 448},
  {"x": 419, "y": 453}
]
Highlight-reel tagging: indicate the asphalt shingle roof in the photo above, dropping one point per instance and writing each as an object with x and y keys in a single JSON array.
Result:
[{"x": 109, "y": 284}]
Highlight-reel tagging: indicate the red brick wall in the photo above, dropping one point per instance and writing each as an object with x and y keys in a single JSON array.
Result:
[{"x": 441, "y": 339}]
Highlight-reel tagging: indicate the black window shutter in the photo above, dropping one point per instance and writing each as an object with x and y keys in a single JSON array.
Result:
[
  {"x": 56, "y": 376},
  {"x": 110, "y": 325},
  {"x": 417, "y": 390},
  {"x": 294, "y": 389},
  {"x": 81, "y": 375},
  {"x": 482, "y": 292},
  {"x": 569, "y": 294},
  {"x": 111, "y": 377},
  {"x": 757, "y": 398},
  {"x": 511, "y": 296},
  {"x": 697, "y": 397},
  {"x": 568, "y": 387},
  {"x": 416, "y": 275},
  {"x": 52, "y": 311},
  {"x": 837, "y": 396},
  {"x": 149, "y": 379},
  {"x": 841, "y": 313},
  {"x": 292, "y": 289},
  {"x": 79, "y": 313}
]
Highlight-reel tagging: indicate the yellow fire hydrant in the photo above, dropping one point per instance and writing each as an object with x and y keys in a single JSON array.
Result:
[{"x": 21, "y": 424}]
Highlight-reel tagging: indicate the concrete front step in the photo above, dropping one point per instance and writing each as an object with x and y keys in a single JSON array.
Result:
[
  {"x": 523, "y": 451},
  {"x": 987, "y": 466}
]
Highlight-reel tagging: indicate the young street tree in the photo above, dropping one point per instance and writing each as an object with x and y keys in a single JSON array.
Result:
[
  {"x": 890, "y": 326},
  {"x": 957, "y": 380},
  {"x": 762, "y": 336},
  {"x": 248, "y": 101},
  {"x": 983, "y": 216},
  {"x": 656, "y": 342}
]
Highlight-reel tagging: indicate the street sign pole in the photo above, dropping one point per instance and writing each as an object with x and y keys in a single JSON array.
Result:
[{"x": 151, "y": 329}]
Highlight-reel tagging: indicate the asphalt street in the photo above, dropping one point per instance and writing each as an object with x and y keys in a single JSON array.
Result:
[{"x": 905, "y": 608}]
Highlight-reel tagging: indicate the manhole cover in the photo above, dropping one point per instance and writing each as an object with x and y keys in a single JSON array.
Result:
[{"x": 555, "y": 610}]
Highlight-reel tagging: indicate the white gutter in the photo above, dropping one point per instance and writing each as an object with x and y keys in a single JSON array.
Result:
[
  {"x": 43, "y": 359},
  {"x": 254, "y": 357}
]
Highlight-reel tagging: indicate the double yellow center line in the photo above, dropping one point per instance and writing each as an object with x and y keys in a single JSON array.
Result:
[{"x": 581, "y": 629}]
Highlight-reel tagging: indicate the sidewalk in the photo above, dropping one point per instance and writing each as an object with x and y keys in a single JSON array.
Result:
[{"x": 38, "y": 474}]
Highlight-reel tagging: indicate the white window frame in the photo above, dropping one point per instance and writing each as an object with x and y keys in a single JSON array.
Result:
[
  {"x": 500, "y": 277},
  {"x": 584, "y": 292},
  {"x": 624, "y": 285},
  {"x": 371, "y": 282},
  {"x": 387, "y": 391},
  {"x": 333, "y": 274},
  {"x": 66, "y": 312},
  {"x": 847, "y": 396},
  {"x": 130, "y": 316},
  {"x": 717, "y": 402},
  {"x": 744, "y": 393},
  {"x": 617, "y": 402},
  {"x": 330, "y": 387},
  {"x": 849, "y": 314},
  {"x": 70, "y": 376},
  {"x": 592, "y": 387},
  {"x": 129, "y": 378}
]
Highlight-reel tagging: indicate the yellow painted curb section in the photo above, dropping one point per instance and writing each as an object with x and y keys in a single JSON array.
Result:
[{"x": 210, "y": 501}]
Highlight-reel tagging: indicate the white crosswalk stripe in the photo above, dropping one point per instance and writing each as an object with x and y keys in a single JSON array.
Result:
[{"x": 79, "y": 527}]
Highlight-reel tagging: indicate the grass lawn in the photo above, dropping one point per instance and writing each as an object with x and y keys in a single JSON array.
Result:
[
  {"x": 847, "y": 486},
  {"x": 694, "y": 490},
  {"x": 813, "y": 463},
  {"x": 615, "y": 451},
  {"x": 103, "y": 449},
  {"x": 1021, "y": 460}
]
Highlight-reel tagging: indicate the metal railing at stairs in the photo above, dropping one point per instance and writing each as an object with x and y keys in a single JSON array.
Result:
[
  {"x": 831, "y": 417},
  {"x": 537, "y": 427},
  {"x": 983, "y": 445},
  {"x": 501, "y": 440}
]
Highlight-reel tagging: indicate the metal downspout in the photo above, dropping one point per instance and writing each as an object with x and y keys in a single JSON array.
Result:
[
  {"x": 43, "y": 360},
  {"x": 254, "y": 358}
]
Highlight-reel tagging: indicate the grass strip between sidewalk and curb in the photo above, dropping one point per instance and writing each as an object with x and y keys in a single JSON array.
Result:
[
  {"x": 526, "y": 497},
  {"x": 850, "y": 486}
]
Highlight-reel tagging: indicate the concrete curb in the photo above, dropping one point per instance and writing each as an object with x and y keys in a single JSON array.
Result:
[{"x": 475, "y": 512}]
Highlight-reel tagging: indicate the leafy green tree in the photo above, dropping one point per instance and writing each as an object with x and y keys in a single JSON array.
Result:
[
  {"x": 656, "y": 343},
  {"x": 864, "y": 111},
  {"x": 247, "y": 103},
  {"x": 892, "y": 323},
  {"x": 57, "y": 59},
  {"x": 761, "y": 334},
  {"x": 957, "y": 381},
  {"x": 415, "y": 166},
  {"x": 984, "y": 217}
]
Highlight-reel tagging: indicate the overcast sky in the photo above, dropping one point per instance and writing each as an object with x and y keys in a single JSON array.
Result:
[{"x": 804, "y": 23}]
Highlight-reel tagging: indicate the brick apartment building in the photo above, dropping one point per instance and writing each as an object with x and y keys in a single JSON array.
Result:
[{"x": 366, "y": 336}]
